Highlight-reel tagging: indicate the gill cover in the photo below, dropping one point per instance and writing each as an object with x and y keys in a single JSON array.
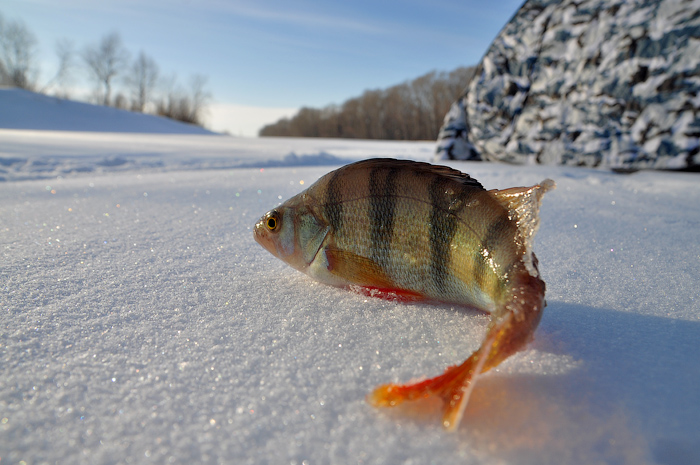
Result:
[
  {"x": 292, "y": 232},
  {"x": 311, "y": 232}
]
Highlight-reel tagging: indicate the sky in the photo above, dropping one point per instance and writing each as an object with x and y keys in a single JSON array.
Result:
[{"x": 266, "y": 59}]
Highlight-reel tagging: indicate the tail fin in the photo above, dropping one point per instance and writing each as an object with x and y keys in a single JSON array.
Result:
[
  {"x": 454, "y": 387},
  {"x": 507, "y": 334}
]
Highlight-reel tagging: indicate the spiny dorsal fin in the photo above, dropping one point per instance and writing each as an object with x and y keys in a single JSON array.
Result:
[
  {"x": 523, "y": 205},
  {"x": 419, "y": 167}
]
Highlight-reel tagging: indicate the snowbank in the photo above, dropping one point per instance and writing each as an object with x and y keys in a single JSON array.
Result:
[
  {"x": 141, "y": 323},
  {"x": 22, "y": 109}
]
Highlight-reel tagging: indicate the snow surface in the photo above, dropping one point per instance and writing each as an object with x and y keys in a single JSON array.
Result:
[
  {"x": 141, "y": 323},
  {"x": 27, "y": 154}
]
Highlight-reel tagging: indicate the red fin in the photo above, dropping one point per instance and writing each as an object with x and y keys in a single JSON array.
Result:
[
  {"x": 506, "y": 335},
  {"x": 454, "y": 387},
  {"x": 401, "y": 295}
]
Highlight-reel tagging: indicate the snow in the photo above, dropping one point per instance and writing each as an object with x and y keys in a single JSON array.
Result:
[
  {"x": 141, "y": 323},
  {"x": 28, "y": 154},
  {"x": 22, "y": 109}
]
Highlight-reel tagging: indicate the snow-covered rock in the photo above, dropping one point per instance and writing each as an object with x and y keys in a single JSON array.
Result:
[{"x": 585, "y": 82}]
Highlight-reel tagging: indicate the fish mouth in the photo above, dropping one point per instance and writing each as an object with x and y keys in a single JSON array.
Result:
[
  {"x": 256, "y": 231},
  {"x": 260, "y": 236}
]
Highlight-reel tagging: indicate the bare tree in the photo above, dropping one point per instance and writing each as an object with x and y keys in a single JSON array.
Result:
[
  {"x": 412, "y": 110},
  {"x": 169, "y": 94},
  {"x": 142, "y": 80},
  {"x": 4, "y": 74},
  {"x": 182, "y": 105},
  {"x": 106, "y": 60},
  {"x": 200, "y": 98},
  {"x": 121, "y": 101},
  {"x": 65, "y": 53},
  {"x": 17, "y": 49},
  {"x": 278, "y": 129}
]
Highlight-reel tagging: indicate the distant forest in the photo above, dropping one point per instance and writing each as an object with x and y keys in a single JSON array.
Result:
[
  {"x": 413, "y": 110},
  {"x": 119, "y": 80}
]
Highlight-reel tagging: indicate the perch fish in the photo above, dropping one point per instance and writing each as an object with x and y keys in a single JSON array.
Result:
[{"x": 421, "y": 231}]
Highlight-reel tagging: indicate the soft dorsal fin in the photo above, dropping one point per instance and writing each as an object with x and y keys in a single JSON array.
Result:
[
  {"x": 523, "y": 205},
  {"x": 419, "y": 167}
]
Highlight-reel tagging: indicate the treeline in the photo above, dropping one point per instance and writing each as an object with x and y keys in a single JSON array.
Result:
[
  {"x": 119, "y": 80},
  {"x": 413, "y": 110}
]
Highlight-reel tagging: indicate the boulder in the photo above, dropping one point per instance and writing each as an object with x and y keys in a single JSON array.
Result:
[{"x": 598, "y": 83}]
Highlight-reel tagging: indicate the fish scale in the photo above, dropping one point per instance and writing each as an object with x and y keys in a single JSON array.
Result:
[
  {"x": 425, "y": 232},
  {"x": 432, "y": 207}
]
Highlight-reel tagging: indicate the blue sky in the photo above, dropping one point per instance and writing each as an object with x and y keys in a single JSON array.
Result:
[{"x": 277, "y": 55}]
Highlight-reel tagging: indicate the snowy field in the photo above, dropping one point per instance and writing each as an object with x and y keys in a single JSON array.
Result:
[{"x": 141, "y": 323}]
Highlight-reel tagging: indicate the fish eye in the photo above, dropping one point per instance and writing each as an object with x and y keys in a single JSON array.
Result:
[{"x": 272, "y": 221}]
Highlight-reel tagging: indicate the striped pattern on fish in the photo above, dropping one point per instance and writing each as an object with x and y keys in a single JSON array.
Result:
[{"x": 421, "y": 231}]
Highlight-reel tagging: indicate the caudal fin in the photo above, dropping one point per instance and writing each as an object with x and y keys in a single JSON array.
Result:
[
  {"x": 454, "y": 387},
  {"x": 507, "y": 334}
]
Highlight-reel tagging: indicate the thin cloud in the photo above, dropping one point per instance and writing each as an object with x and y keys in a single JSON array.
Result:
[
  {"x": 279, "y": 13},
  {"x": 292, "y": 14}
]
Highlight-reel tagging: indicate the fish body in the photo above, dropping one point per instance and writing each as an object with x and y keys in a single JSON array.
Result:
[{"x": 424, "y": 232}]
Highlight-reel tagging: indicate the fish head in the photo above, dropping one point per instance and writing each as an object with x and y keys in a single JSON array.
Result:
[{"x": 292, "y": 232}]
